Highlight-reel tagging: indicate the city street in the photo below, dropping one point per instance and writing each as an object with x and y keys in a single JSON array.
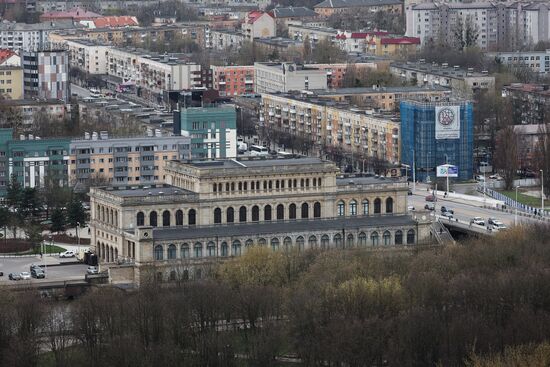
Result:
[{"x": 57, "y": 272}]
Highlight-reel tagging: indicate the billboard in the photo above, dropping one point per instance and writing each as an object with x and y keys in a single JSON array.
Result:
[
  {"x": 447, "y": 170},
  {"x": 447, "y": 122}
]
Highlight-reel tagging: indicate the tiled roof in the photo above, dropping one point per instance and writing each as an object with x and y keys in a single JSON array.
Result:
[
  {"x": 76, "y": 14},
  {"x": 115, "y": 21},
  {"x": 5, "y": 54},
  {"x": 356, "y": 3}
]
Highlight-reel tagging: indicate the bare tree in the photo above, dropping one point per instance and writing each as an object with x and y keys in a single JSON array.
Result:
[{"x": 506, "y": 155}]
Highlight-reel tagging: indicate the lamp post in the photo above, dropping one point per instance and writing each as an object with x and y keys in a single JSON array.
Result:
[
  {"x": 78, "y": 237},
  {"x": 516, "y": 215},
  {"x": 406, "y": 172},
  {"x": 414, "y": 172},
  {"x": 541, "y": 192}
]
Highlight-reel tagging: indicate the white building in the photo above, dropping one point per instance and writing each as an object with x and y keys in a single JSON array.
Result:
[
  {"x": 537, "y": 61},
  {"x": 258, "y": 24},
  {"x": 87, "y": 56},
  {"x": 222, "y": 40},
  {"x": 270, "y": 77},
  {"x": 30, "y": 37}
]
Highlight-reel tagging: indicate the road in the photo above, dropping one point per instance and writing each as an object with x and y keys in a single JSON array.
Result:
[
  {"x": 79, "y": 91},
  {"x": 462, "y": 210},
  {"x": 59, "y": 272}
]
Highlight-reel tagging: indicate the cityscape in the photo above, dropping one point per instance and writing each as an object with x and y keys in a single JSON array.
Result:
[{"x": 274, "y": 183}]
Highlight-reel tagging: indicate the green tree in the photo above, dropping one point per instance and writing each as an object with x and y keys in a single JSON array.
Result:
[
  {"x": 33, "y": 232},
  {"x": 58, "y": 220},
  {"x": 76, "y": 215},
  {"x": 30, "y": 204},
  {"x": 14, "y": 192}
]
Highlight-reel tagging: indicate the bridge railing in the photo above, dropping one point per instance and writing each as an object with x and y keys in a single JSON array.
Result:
[{"x": 511, "y": 203}]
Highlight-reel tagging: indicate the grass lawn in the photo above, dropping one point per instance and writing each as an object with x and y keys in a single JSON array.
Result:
[{"x": 526, "y": 199}]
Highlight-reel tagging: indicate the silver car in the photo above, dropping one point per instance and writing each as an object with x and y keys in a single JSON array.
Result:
[{"x": 25, "y": 275}]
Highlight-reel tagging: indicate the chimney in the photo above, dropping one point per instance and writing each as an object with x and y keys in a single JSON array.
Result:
[
  {"x": 94, "y": 135},
  {"x": 158, "y": 133},
  {"x": 86, "y": 135}
]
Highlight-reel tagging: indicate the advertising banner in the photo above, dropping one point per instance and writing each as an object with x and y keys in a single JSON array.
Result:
[
  {"x": 447, "y": 170},
  {"x": 447, "y": 122}
]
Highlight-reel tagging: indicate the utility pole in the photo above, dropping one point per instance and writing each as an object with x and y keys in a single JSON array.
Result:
[
  {"x": 542, "y": 192},
  {"x": 414, "y": 172}
]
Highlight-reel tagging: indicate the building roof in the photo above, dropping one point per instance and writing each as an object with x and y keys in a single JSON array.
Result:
[
  {"x": 447, "y": 71},
  {"x": 365, "y": 90},
  {"x": 400, "y": 41},
  {"x": 254, "y": 163},
  {"x": 293, "y": 12},
  {"x": 6, "y": 54},
  {"x": 74, "y": 14},
  {"x": 356, "y": 3},
  {"x": 254, "y": 15},
  {"x": 115, "y": 21},
  {"x": 281, "y": 228},
  {"x": 43, "y": 26}
]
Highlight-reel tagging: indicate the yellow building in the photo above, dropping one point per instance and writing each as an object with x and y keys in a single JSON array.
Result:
[
  {"x": 11, "y": 82},
  {"x": 392, "y": 45}
]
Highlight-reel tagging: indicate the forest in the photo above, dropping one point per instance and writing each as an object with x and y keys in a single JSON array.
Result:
[{"x": 480, "y": 303}]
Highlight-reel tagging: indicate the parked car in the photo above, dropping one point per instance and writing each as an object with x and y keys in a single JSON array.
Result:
[
  {"x": 431, "y": 198},
  {"x": 409, "y": 192},
  {"x": 491, "y": 221},
  {"x": 33, "y": 266},
  {"x": 14, "y": 276},
  {"x": 92, "y": 270},
  {"x": 447, "y": 215},
  {"x": 410, "y": 208},
  {"x": 429, "y": 207},
  {"x": 1, "y": 274},
  {"x": 38, "y": 273},
  {"x": 496, "y": 177},
  {"x": 445, "y": 209},
  {"x": 25, "y": 275},
  {"x": 480, "y": 178},
  {"x": 67, "y": 254},
  {"x": 497, "y": 225},
  {"x": 478, "y": 220}
]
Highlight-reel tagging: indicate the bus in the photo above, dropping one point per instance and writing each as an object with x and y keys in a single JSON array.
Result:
[{"x": 258, "y": 150}]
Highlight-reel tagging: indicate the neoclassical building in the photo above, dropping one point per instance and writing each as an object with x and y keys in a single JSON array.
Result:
[{"x": 211, "y": 210}]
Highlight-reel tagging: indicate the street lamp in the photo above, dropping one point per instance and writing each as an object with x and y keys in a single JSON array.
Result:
[
  {"x": 541, "y": 192},
  {"x": 406, "y": 172},
  {"x": 516, "y": 215},
  {"x": 413, "y": 171},
  {"x": 78, "y": 237}
]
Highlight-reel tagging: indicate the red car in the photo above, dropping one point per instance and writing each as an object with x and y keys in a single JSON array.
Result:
[{"x": 431, "y": 198}]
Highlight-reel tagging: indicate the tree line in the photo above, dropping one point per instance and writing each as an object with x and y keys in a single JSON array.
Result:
[{"x": 453, "y": 306}]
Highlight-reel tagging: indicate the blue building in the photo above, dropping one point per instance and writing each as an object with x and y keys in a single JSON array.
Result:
[{"x": 435, "y": 133}]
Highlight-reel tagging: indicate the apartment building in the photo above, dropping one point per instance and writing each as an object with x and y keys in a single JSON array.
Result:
[
  {"x": 285, "y": 15},
  {"x": 537, "y": 61},
  {"x": 225, "y": 40},
  {"x": 98, "y": 158},
  {"x": 530, "y": 102},
  {"x": 86, "y": 55},
  {"x": 301, "y": 32},
  {"x": 73, "y": 15},
  {"x": 28, "y": 108},
  {"x": 271, "y": 77},
  {"x": 394, "y": 46},
  {"x": 500, "y": 25},
  {"x": 31, "y": 37},
  {"x": 336, "y": 73},
  {"x": 258, "y": 24},
  {"x": 331, "y": 124},
  {"x": 327, "y": 8},
  {"x": 46, "y": 74},
  {"x": 461, "y": 81},
  {"x": 287, "y": 47},
  {"x": 233, "y": 80},
  {"x": 11, "y": 82},
  {"x": 103, "y": 5}
]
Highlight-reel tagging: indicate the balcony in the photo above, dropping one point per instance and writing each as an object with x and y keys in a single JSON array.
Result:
[
  {"x": 271, "y": 113},
  {"x": 248, "y": 81},
  {"x": 329, "y": 127}
]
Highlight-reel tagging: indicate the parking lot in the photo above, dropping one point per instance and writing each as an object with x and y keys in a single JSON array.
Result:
[{"x": 55, "y": 270}]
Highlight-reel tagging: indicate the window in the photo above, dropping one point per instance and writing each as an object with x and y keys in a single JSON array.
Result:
[
  {"x": 153, "y": 219},
  {"x": 410, "y": 237},
  {"x": 280, "y": 212},
  {"x": 325, "y": 242},
  {"x": 365, "y": 207},
  {"x": 211, "y": 249},
  {"x": 287, "y": 243},
  {"x": 140, "y": 219},
  {"x": 312, "y": 242},
  {"x": 389, "y": 205},
  {"x": 255, "y": 213},
  {"x": 217, "y": 215},
  {"x": 267, "y": 212},
  {"x": 275, "y": 244},
  {"x": 198, "y": 249},
  {"x": 377, "y": 206},
  {"x": 338, "y": 240},
  {"x": 292, "y": 211},
  {"x": 236, "y": 248},
  {"x": 317, "y": 210},
  {"x": 184, "y": 251},
  {"x": 158, "y": 252},
  {"x": 179, "y": 218},
  {"x": 349, "y": 241},
  {"x": 353, "y": 207},
  {"x": 225, "y": 249},
  {"x": 166, "y": 218},
  {"x": 362, "y": 238},
  {"x": 249, "y": 243},
  {"x": 172, "y": 252},
  {"x": 230, "y": 215},
  {"x": 192, "y": 217},
  {"x": 300, "y": 243},
  {"x": 374, "y": 238},
  {"x": 387, "y": 238},
  {"x": 305, "y": 210},
  {"x": 398, "y": 237},
  {"x": 341, "y": 208},
  {"x": 242, "y": 214}
]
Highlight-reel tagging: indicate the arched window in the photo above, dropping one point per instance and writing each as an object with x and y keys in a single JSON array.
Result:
[
  {"x": 353, "y": 207},
  {"x": 389, "y": 205},
  {"x": 341, "y": 208},
  {"x": 173, "y": 275},
  {"x": 262, "y": 242},
  {"x": 317, "y": 210},
  {"x": 377, "y": 205},
  {"x": 325, "y": 242},
  {"x": 410, "y": 237},
  {"x": 179, "y": 217},
  {"x": 230, "y": 215},
  {"x": 211, "y": 249},
  {"x": 305, "y": 210},
  {"x": 225, "y": 249},
  {"x": 398, "y": 237},
  {"x": 158, "y": 253},
  {"x": 248, "y": 243},
  {"x": 192, "y": 217},
  {"x": 267, "y": 212},
  {"x": 349, "y": 241},
  {"x": 172, "y": 252},
  {"x": 217, "y": 215},
  {"x": 153, "y": 219},
  {"x": 374, "y": 238},
  {"x": 292, "y": 211},
  {"x": 337, "y": 240},
  {"x": 300, "y": 243},
  {"x": 140, "y": 219},
  {"x": 312, "y": 242},
  {"x": 275, "y": 244},
  {"x": 198, "y": 273},
  {"x": 362, "y": 238},
  {"x": 242, "y": 214},
  {"x": 184, "y": 251},
  {"x": 185, "y": 274},
  {"x": 236, "y": 248},
  {"x": 319, "y": 181},
  {"x": 166, "y": 218},
  {"x": 198, "y": 249},
  {"x": 365, "y": 207},
  {"x": 280, "y": 212},
  {"x": 255, "y": 213},
  {"x": 287, "y": 243},
  {"x": 387, "y": 238}
]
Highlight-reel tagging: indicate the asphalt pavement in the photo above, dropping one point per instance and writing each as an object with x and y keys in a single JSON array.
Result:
[{"x": 53, "y": 266}]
